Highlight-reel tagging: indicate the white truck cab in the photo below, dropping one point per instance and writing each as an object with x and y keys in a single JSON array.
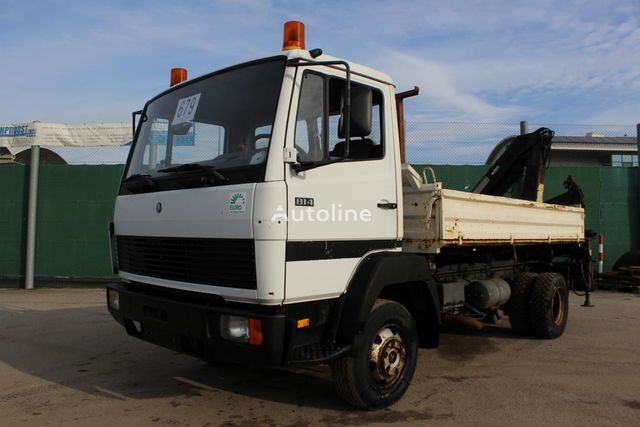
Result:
[
  {"x": 324, "y": 214},
  {"x": 261, "y": 219}
]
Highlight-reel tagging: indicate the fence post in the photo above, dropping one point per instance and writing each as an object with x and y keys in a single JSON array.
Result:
[
  {"x": 31, "y": 216},
  {"x": 524, "y": 127},
  {"x": 601, "y": 254},
  {"x": 637, "y": 237}
]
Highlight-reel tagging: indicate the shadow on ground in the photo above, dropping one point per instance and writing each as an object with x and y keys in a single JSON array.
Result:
[{"x": 85, "y": 349}]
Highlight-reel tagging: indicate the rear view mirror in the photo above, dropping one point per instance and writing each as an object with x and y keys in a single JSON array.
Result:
[
  {"x": 361, "y": 106},
  {"x": 182, "y": 128}
]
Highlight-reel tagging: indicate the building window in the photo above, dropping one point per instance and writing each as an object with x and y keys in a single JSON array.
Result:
[{"x": 624, "y": 160}]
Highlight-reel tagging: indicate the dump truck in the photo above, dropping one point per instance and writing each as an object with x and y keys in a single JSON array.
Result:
[{"x": 267, "y": 216}]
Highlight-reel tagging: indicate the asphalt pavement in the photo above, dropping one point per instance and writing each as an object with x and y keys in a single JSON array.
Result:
[{"x": 65, "y": 361}]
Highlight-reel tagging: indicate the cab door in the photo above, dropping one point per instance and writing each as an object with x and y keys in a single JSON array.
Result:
[{"x": 339, "y": 210}]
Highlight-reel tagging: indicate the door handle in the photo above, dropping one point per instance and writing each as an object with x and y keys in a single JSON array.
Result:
[{"x": 388, "y": 205}]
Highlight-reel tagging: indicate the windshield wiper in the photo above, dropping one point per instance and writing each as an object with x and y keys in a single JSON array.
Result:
[
  {"x": 184, "y": 167},
  {"x": 136, "y": 176},
  {"x": 196, "y": 167},
  {"x": 138, "y": 180}
]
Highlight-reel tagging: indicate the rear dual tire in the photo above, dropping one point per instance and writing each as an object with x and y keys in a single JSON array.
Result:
[
  {"x": 549, "y": 306},
  {"x": 518, "y": 305},
  {"x": 539, "y": 305}
]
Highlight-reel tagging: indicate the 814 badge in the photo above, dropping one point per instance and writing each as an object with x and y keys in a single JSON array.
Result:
[{"x": 304, "y": 201}]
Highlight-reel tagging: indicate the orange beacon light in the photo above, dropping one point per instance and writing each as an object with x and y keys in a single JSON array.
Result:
[
  {"x": 293, "y": 35},
  {"x": 178, "y": 75}
]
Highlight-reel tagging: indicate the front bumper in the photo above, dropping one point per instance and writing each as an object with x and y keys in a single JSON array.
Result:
[{"x": 195, "y": 328}]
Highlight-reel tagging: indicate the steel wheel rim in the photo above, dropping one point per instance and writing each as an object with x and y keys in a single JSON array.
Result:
[
  {"x": 387, "y": 357},
  {"x": 557, "y": 306}
]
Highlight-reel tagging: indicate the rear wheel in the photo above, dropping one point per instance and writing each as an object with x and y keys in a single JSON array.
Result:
[
  {"x": 380, "y": 371},
  {"x": 518, "y": 305},
  {"x": 549, "y": 305}
]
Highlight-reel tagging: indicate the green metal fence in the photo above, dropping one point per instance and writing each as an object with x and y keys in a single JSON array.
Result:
[
  {"x": 75, "y": 203},
  {"x": 13, "y": 212}
]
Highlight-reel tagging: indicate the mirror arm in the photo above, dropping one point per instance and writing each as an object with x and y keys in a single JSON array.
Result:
[
  {"x": 301, "y": 167},
  {"x": 347, "y": 116},
  {"x": 133, "y": 122},
  {"x": 297, "y": 167}
]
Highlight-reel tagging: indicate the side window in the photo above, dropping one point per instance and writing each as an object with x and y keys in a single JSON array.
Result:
[
  {"x": 320, "y": 106},
  {"x": 360, "y": 148},
  {"x": 334, "y": 122},
  {"x": 376, "y": 119},
  {"x": 308, "y": 136}
]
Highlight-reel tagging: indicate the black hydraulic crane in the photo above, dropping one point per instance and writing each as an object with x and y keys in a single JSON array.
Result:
[{"x": 525, "y": 159}]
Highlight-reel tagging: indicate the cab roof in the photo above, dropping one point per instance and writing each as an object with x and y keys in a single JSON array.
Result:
[
  {"x": 293, "y": 54},
  {"x": 359, "y": 69}
]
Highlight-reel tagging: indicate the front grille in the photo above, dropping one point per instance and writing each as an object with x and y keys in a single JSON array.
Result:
[{"x": 218, "y": 262}]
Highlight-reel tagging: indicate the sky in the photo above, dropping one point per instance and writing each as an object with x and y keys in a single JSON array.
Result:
[{"x": 546, "y": 62}]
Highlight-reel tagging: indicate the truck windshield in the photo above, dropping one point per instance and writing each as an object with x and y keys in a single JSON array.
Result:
[{"x": 220, "y": 122}]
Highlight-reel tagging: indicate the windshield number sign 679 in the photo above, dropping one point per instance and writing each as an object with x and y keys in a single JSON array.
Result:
[{"x": 186, "y": 109}]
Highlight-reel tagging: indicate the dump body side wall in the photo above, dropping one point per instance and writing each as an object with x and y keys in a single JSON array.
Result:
[{"x": 435, "y": 217}]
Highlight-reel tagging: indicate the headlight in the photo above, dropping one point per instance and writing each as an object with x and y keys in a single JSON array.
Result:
[
  {"x": 113, "y": 299},
  {"x": 241, "y": 329}
]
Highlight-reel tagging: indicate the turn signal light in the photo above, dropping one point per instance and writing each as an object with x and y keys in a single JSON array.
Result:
[
  {"x": 293, "y": 35},
  {"x": 178, "y": 75},
  {"x": 255, "y": 332}
]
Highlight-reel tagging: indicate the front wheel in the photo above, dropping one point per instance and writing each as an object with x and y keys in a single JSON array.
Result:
[{"x": 381, "y": 370}]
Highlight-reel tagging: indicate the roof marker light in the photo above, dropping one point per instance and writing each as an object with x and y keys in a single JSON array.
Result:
[
  {"x": 293, "y": 35},
  {"x": 178, "y": 75}
]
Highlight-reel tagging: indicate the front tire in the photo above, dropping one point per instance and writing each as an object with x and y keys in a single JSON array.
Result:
[
  {"x": 549, "y": 305},
  {"x": 380, "y": 372}
]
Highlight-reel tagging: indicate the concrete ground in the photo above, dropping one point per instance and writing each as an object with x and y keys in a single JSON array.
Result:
[{"x": 63, "y": 361}]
